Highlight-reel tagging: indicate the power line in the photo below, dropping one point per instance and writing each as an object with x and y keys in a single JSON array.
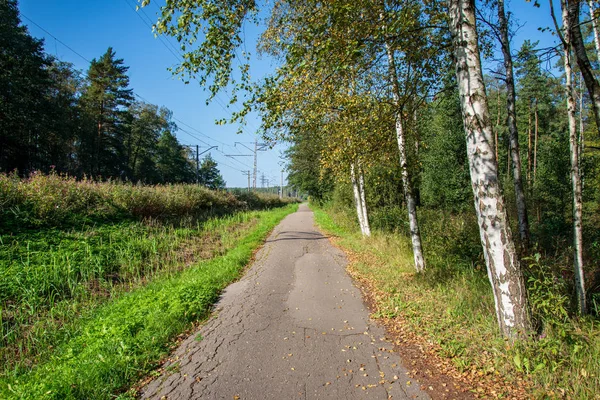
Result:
[
  {"x": 142, "y": 9},
  {"x": 55, "y": 38},
  {"x": 179, "y": 56},
  {"x": 150, "y": 27},
  {"x": 200, "y": 132}
]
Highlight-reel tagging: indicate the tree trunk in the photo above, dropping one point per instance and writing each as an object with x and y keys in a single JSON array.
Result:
[
  {"x": 581, "y": 131},
  {"x": 363, "y": 202},
  {"x": 594, "y": 27},
  {"x": 512, "y": 128},
  {"x": 409, "y": 197},
  {"x": 578, "y": 46},
  {"x": 96, "y": 160},
  {"x": 357, "y": 200},
  {"x": 504, "y": 270},
  {"x": 535, "y": 142},
  {"x": 529, "y": 149},
  {"x": 497, "y": 127},
  {"x": 573, "y": 147}
]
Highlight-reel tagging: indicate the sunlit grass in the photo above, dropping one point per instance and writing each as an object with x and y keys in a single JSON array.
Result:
[{"x": 90, "y": 316}]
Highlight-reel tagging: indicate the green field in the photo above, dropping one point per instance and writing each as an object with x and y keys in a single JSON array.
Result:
[{"x": 90, "y": 303}]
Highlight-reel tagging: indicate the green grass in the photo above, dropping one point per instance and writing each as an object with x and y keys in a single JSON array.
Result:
[
  {"x": 451, "y": 308},
  {"x": 86, "y": 313}
]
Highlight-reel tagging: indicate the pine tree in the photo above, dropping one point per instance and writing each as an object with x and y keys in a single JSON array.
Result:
[
  {"x": 62, "y": 119},
  {"x": 106, "y": 100},
  {"x": 23, "y": 85}
]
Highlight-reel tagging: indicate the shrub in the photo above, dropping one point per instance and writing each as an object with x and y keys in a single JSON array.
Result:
[{"x": 56, "y": 200}]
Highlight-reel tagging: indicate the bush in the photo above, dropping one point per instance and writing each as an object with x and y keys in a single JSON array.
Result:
[{"x": 58, "y": 200}]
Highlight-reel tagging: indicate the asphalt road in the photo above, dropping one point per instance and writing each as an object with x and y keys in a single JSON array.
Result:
[{"x": 293, "y": 327}]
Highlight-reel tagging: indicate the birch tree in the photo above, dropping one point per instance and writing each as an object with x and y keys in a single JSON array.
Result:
[
  {"x": 504, "y": 270},
  {"x": 572, "y": 10},
  {"x": 593, "y": 16},
  {"x": 415, "y": 234},
  {"x": 567, "y": 37},
  {"x": 513, "y": 134}
]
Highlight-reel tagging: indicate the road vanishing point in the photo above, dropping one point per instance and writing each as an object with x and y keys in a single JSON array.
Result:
[{"x": 294, "y": 327}]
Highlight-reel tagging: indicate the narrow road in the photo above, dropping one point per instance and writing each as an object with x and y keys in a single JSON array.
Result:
[{"x": 293, "y": 327}]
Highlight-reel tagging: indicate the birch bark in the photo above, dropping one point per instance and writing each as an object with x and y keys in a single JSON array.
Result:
[
  {"x": 574, "y": 150},
  {"x": 513, "y": 133},
  {"x": 357, "y": 199},
  {"x": 503, "y": 266},
  {"x": 594, "y": 27},
  {"x": 411, "y": 203},
  {"x": 363, "y": 202}
]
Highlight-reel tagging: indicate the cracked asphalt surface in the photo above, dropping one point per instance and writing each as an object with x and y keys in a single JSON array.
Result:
[{"x": 293, "y": 327}]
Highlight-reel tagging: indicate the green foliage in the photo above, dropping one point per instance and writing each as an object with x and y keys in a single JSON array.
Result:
[
  {"x": 552, "y": 191},
  {"x": 547, "y": 295},
  {"x": 24, "y": 81},
  {"x": 54, "y": 120},
  {"x": 172, "y": 163},
  {"x": 60, "y": 201},
  {"x": 146, "y": 124},
  {"x": 304, "y": 170},
  {"x": 445, "y": 179},
  {"x": 105, "y": 101},
  {"x": 209, "y": 33}
]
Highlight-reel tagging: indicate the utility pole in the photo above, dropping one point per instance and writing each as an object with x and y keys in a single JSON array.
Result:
[
  {"x": 281, "y": 186},
  {"x": 257, "y": 147},
  {"x": 197, "y": 164},
  {"x": 198, "y": 154},
  {"x": 255, "y": 163},
  {"x": 247, "y": 173}
]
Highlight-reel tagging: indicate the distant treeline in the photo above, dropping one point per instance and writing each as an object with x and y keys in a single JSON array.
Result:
[{"x": 53, "y": 117}]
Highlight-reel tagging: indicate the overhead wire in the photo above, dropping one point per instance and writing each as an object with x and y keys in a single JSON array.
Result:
[
  {"x": 150, "y": 27},
  {"x": 54, "y": 37},
  {"x": 179, "y": 56}
]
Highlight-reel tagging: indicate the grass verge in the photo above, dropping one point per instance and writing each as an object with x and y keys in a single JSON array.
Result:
[
  {"x": 449, "y": 311},
  {"x": 113, "y": 345}
]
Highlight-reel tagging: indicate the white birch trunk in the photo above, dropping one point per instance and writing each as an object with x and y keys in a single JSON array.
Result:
[
  {"x": 357, "y": 200},
  {"x": 581, "y": 132},
  {"x": 411, "y": 204},
  {"x": 363, "y": 202},
  {"x": 503, "y": 266},
  {"x": 511, "y": 99},
  {"x": 594, "y": 27},
  {"x": 575, "y": 176}
]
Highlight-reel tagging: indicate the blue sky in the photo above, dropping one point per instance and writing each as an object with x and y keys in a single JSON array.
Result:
[{"x": 90, "y": 27}]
